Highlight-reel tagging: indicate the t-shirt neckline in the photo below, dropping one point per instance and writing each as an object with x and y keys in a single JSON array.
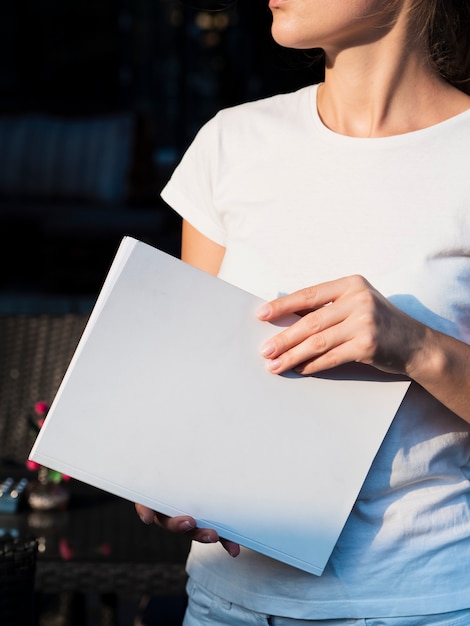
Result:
[{"x": 401, "y": 138}]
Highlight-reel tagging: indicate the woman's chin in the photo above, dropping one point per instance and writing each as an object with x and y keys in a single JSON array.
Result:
[{"x": 288, "y": 39}]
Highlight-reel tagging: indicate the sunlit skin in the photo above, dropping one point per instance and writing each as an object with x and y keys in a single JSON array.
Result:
[
  {"x": 333, "y": 25},
  {"x": 378, "y": 82}
]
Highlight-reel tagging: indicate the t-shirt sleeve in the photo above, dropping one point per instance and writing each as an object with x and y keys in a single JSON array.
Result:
[{"x": 191, "y": 188}]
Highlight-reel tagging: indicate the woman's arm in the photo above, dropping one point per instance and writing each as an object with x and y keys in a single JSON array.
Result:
[
  {"x": 198, "y": 250},
  {"x": 348, "y": 320}
]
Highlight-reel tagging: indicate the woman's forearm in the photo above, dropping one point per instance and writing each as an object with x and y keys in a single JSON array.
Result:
[{"x": 442, "y": 367}]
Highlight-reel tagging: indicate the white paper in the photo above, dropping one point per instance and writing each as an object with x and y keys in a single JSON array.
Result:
[{"x": 168, "y": 402}]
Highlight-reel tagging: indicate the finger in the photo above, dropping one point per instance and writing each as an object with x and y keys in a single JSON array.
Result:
[
  {"x": 338, "y": 356},
  {"x": 204, "y": 535},
  {"x": 305, "y": 299},
  {"x": 311, "y": 328},
  {"x": 353, "y": 340},
  {"x": 145, "y": 514},
  {"x": 186, "y": 525},
  {"x": 231, "y": 547},
  {"x": 177, "y": 524},
  {"x": 323, "y": 344}
]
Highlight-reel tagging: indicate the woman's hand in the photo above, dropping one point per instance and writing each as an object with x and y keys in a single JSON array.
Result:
[
  {"x": 347, "y": 320},
  {"x": 185, "y": 525},
  {"x": 341, "y": 321}
]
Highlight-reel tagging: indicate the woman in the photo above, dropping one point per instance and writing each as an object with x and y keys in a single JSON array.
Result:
[{"x": 308, "y": 194}]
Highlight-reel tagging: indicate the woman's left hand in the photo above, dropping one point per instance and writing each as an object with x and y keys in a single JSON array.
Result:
[{"x": 341, "y": 321}]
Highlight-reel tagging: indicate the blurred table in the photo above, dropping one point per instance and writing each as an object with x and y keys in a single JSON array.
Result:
[{"x": 99, "y": 545}]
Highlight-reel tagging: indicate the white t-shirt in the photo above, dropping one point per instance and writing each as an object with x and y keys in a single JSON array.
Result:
[{"x": 296, "y": 204}]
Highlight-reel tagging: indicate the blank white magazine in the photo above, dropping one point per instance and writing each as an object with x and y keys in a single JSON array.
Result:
[{"x": 167, "y": 402}]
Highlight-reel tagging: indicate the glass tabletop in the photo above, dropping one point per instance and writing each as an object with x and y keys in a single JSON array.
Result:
[{"x": 99, "y": 537}]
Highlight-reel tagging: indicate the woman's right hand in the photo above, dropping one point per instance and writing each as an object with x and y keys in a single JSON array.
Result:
[{"x": 185, "y": 524}]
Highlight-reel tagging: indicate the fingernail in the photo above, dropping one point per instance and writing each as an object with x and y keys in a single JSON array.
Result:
[
  {"x": 207, "y": 539},
  {"x": 268, "y": 349},
  {"x": 145, "y": 520},
  {"x": 186, "y": 526},
  {"x": 274, "y": 365},
  {"x": 264, "y": 310}
]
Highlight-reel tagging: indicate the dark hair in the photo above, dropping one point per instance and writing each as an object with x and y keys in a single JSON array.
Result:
[{"x": 445, "y": 25}]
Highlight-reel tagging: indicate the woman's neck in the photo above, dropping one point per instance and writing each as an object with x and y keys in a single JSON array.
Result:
[{"x": 373, "y": 91}]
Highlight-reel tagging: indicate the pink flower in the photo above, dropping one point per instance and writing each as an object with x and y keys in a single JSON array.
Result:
[
  {"x": 41, "y": 408},
  {"x": 32, "y": 465},
  {"x": 66, "y": 552}
]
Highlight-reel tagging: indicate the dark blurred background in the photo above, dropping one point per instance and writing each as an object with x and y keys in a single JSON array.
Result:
[{"x": 98, "y": 101}]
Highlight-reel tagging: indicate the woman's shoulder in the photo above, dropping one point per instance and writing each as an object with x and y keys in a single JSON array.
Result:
[{"x": 271, "y": 107}]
